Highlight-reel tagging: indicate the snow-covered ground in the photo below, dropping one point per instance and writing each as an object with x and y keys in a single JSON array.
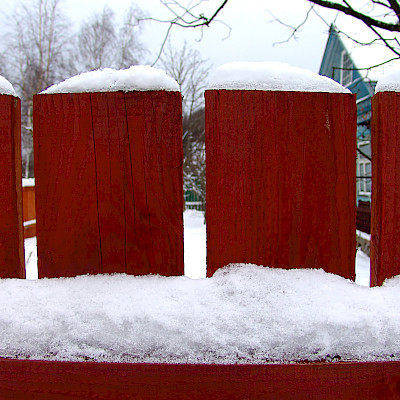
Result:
[{"x": 244, "y": 314}]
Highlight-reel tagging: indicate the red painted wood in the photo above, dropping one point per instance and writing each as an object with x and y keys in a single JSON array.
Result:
[
  {"x": 109, "y": 190},
  {"x": 28, "y": 203},
  {"x": 12, "y": 264},
  {"x": 61, "y": 380},
  {"x": 29, "y": 231},
  {"x": 281, "y": 180},
  {"x": 385, "y": 211}
]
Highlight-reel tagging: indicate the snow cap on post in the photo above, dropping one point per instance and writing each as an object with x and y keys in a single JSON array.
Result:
[
  {"x": 138, "y": 77},
  {"x": 272, "y": 76},
  {"x": 390, "y": 82},
  {"x": 6, "y": 87}
]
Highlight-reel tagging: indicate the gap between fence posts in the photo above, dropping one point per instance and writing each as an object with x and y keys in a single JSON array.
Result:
[
  {"x": 385, "y": 210},
  {"x": 109, "y": 186},
  {"x": 12, "y": 264},
  {"x": 281, "y": 179}
]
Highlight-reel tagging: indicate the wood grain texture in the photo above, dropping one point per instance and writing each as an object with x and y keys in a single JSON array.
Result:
[
  {"x": 385, "y": 207},
  {"x": 12, "y": 264},
  {"x": 109, "y": 190},
  {"x": 86, "y": 380},
  {"x": 281, "y": 180}
]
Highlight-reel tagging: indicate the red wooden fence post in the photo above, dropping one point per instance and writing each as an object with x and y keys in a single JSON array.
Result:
[
  {"x": 281, "y": 179},
  {"x": 385, "y": 210},
  {"x": 12, "y": 264},
  {"x": 109, "y": 191}
]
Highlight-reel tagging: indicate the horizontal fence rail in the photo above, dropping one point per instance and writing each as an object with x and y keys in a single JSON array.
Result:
[{"x": 88, "y": 380}]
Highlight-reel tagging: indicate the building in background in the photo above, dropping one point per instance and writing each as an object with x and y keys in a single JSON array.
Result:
[{"x": 358, "y": 66}]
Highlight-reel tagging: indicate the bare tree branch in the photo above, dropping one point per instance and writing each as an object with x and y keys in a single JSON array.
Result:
[
  {"x": 294, "y": 29},
  {"x": 394, "y": 5},
  {"x": 370, "y": 21}
]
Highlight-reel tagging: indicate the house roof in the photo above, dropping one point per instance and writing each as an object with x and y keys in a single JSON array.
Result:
[{"x": 366, "y": 51}]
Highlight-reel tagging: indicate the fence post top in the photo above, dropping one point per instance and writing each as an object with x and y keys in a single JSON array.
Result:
[
  {"x": 390, "y": 82},
  {"x": 135, "y": 78},
  {"x": 6, "y": 87},
  {"x": 271, "y": 76}
]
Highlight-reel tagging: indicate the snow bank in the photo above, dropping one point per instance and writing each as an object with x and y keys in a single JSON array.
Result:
[
  {"x": 6, "y": 87},
  {"x": 390, "y": 82},
  {"x": 244, "y": 314},
  {"x": 271, "y": 76},
  {"x": 138, "y": 77}
]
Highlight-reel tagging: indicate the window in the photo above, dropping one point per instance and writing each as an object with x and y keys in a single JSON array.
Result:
[
  {"x": 364, "y": 169},
  {"x": 347, "y": 72}
]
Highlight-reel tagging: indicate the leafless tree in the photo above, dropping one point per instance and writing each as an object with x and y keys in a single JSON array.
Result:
[
  {"x": 101, "y": 44},
  {"x": 191, "y": 71},
  {"x": 35, "y": 47},
  {"x": 382, "y": 17}
]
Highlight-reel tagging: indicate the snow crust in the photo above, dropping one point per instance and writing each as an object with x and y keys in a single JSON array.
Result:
[
  {"x": 271, "y": 76},
  {"x": 138, "y": 77},
  {"x": 6, "y": 87},
  {"x": 390, "y": 82}
]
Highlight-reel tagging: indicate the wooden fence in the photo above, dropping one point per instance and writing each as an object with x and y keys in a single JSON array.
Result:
[{"x": 280, "y": 192}]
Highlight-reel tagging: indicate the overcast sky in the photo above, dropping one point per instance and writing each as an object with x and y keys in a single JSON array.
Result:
[{"x": 251, "y": 38}]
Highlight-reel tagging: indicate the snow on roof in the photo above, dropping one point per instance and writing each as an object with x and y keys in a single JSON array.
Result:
[
  {"x": 364, "y": 56},
  {"x": 272, "y": 76},
  {"x": 6, "y": 87},
  {"x": 243, "y": 314},
  {"x": 138, "y": 77}
]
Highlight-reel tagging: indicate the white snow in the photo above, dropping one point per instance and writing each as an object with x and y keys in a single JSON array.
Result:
[
  {"x": 195, "y": 244},
  {"x": 363, "y": 269},
  {"x": 390, "y": 82},
  {"x": 363, "y": 235},
  {"x": 27, "y": 182},
  {"x": 6, "y": 87},
  {"x": 138, "y": 77},
  {"x": 271, "y": 76},
  {"x": 31, "y": 268},
  {"x": 244, "y": 314}
]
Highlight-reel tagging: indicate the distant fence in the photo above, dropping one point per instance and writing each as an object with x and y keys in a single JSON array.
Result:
[
  {"x": 281, "y": 185},
  {"x": 29, "y": 209},
  {"x": 364, "y": 216}
]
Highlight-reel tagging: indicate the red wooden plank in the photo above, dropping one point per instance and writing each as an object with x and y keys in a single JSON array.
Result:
[
  {"x": 21, "y": 379},
  {"x": 281, "y": 180},
  {"x": 12, "y": 264},
  {"x": 108, "y": 183},
  {"x": 385, "y": 212},
  {"x": 28, "y": 203},
  {"x": 155, "y": 165},
  {"x": 66, "y": 208}
]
